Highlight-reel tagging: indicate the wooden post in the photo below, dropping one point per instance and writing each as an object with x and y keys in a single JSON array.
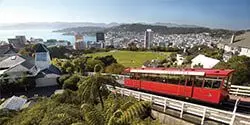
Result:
[
  {"x": 203, "y": 116},
  {"x": 165, "y": 105},
  {"x": 234, "y": 112},
  {"x": 182, "y": 109}
]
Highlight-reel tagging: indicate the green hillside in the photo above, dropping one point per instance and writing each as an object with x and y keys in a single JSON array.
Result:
[{"x": 132, "y": 58}]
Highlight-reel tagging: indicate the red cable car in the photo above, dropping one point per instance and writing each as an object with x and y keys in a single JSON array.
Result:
[{"x": 207, "y": 85}]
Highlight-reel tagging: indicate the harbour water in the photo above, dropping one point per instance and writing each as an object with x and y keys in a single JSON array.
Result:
[{"x": 45, "y": 34}]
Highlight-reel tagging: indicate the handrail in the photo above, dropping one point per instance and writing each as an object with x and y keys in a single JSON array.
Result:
[
  {"x": 240, "y": 90},
  {"x": 203, "y": 112}
]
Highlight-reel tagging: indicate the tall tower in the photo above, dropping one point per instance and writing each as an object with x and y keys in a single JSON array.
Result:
[
  {"x": 42, "y": 57},
  {"x": 79, "y": 42},
  {"x": 148, "y": 38},
  {"x": 100, "y": 38}
]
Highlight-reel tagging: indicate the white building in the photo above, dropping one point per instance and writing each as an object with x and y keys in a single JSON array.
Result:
[
  {"x": 238, "y": 45},
  {"x": 204, "y": 61},
  {"x": 42, "y": 57},
  {"x": 179, "y": 59},
  {"x": 148, "y": 38}
]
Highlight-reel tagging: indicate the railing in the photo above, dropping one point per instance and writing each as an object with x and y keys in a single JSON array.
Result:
[
  {"x": 203, "y": 112},
  {"x": 240, "y": 90}
]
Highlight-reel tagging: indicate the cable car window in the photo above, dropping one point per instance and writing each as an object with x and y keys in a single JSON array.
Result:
[
  {"x": 173, "y": 79},
  {"x": 225, "y": 84},
  {"x": 134, "y": 76},
  {"x": 144, "y": 77},
  {"x": 182, "y": 80},
  {"x": 198, "y": 81},
  {"x": 212, "y": 82},
  {"x": 189, "y": 80}
]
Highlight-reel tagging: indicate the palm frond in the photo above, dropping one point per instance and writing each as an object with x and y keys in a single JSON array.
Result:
[
  {"x": 91, "y": 115},
  {"x": 135, "y": 110}
]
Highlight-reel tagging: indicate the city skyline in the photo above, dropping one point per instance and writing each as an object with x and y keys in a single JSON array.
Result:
[{"x": 229, "y": 14}]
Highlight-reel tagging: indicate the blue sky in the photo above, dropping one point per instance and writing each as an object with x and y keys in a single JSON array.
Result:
[{"x": 232, "y": 14}]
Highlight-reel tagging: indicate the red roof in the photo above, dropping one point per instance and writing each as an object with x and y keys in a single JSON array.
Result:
[{"x": 199, "y": 71}]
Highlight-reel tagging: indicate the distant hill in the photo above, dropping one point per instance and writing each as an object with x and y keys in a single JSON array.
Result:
[
  {"x": 53, "y": 25},
  {"x": 63, "y": 25},
  {"x": 86, "y": 29},
  {"x": 175, "y": 25},
  {"x": 139, "y": 28}
]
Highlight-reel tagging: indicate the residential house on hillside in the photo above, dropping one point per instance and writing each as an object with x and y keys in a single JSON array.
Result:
[
  {"x": 6, "y": 51},
  {"x": 237, "y": 45},
  {"x": 204, "y": 61},
  {"x": 16, "y": 66},
  {"x": 39, "y": 68}
]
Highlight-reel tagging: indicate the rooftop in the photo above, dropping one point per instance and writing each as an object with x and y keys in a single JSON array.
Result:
[
  {"x": 242, "y": 40},
  {"x": 41, "y": 48},
  {"x": 187, "y": 71}
]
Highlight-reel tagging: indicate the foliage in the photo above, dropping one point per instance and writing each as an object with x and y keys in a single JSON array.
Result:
[
  {"x": 115, "y": 68},
  {"x": 93, "y": 88},
  {"x": 91, "y": 63},
  {"x": 28, "y": 50},
  {"x": 48, "y": 112},
  {"x": 91, "y": 104},
  {"x": 241, "y": 65},
  {"x": 205, "y": 50},
  {"x": 63, "y": 78},
  {"x": 58, "y": 52},
  {"x": 71, "y": 82},
  {"x": 6, "y": 115},
  {"x": 68, "y": 96},
  {"x": 107, "y": 60},
  {"x": 10, "y": 85}
]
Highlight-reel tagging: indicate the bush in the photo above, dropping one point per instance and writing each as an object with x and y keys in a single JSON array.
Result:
[
  {"x": 115, "y": 68},
  {"x": 62, "y": 79},
  {"x": 71, "y": 82}
]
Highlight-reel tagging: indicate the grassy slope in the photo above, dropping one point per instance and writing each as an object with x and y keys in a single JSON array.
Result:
[{"x": 132, "y": 58}]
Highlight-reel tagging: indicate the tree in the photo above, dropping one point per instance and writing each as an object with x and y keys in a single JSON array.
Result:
[
  {"x": 107, "y": 60},
  {"x": 94, "y": 87},
  {"x": 26, "y": 82},
  {"x": 80, "y": 64},
  {"x": 68, "y": 67},
  {"x": 71, "y": 82},
  {"x": 58, "y": 52},
  {"x": 115, "y": 68},
  {"x": 241, "y": 65},
  {"x": 28, "y": 50},
  {"x": 63, "y": 78},
  {"x": 91, "y": 63}
]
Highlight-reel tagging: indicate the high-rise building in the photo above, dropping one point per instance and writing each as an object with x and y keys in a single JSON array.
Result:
[
  {"x": 100, "y": 38},
  {"x": 79, "y": 42},
  {"x": 148, "y": 38}
]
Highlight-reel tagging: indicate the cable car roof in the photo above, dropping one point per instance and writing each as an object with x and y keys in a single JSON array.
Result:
[{"x": 176, "y": 71}]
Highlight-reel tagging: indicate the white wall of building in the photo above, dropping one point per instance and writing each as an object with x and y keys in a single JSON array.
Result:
[
  {"x": 245, "y": 51},
  {"x": 42, "y": 60},
  {"x": 206, "y": 62}
]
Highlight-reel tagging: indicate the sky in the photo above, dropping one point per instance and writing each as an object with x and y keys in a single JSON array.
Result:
[{"x": 229, "y": 14}]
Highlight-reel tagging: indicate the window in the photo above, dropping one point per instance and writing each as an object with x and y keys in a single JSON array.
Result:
[
  {"x": 190, "y": 80},
  {"x": 172, "y": 79},
  {"x": 212, "y": 82},
  {"x": 41, "y": 57},
  {"x": 198, "y": 81},
  {"x": 182, "y": 80}
]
